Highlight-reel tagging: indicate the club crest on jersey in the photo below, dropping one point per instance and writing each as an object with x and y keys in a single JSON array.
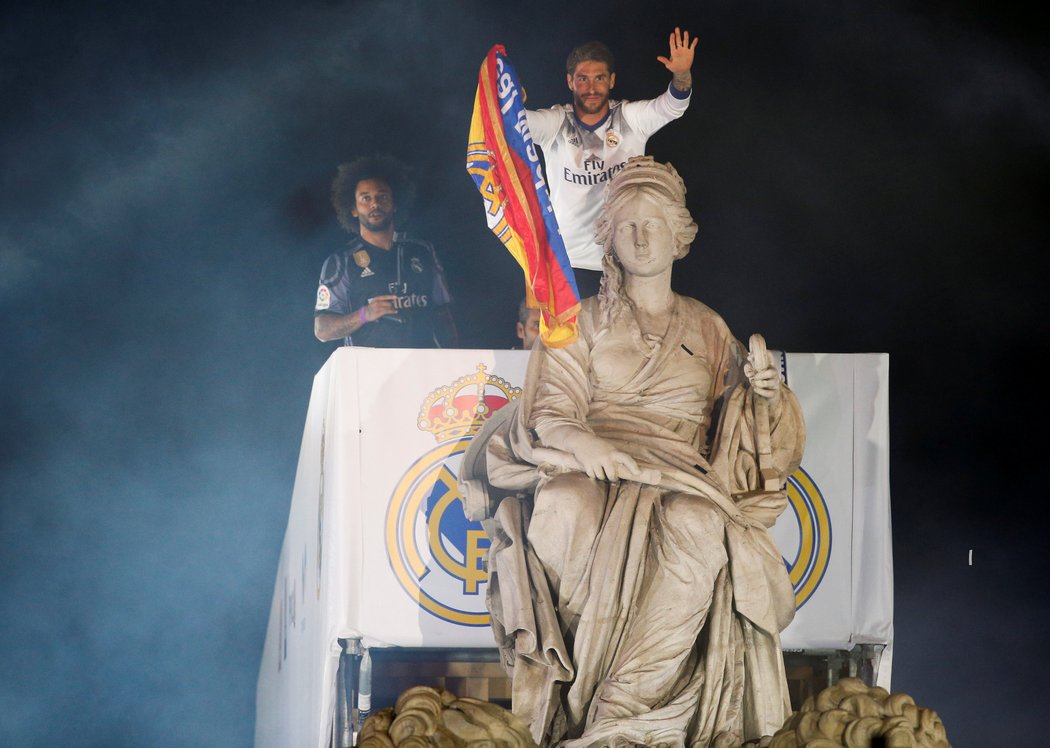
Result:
[
  {"x": 362, "y": 259},
  {"x": 612, "y": 139},
  {"x": 436, "y": 553},
  {"x": 416, "y": 264}
]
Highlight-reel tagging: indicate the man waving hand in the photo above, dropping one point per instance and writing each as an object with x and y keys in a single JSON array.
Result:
[{"x": 584, "y": 143}]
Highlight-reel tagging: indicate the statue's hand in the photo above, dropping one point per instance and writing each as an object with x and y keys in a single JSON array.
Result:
[
  {"x": 601, "y": 460},
  {"x": 763, "y": 375}
]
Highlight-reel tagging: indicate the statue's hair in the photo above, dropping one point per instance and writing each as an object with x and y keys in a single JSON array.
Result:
[
  {"x": 593, "y": 51},
  {"x": 661, "y": 182},
  {"x": 385, "y": 168},
  {"x": 610, "y": 299}
]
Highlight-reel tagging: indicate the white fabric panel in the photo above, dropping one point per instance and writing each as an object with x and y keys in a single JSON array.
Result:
[{"x": 295, "y": 677}]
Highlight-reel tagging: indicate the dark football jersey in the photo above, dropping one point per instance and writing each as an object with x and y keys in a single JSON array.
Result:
[{"x": 409, "y": 270}]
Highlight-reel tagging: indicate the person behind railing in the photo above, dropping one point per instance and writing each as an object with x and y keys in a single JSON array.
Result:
[
  {"x": 383, "y": 289},
  {"x": 528, "y": 327}
]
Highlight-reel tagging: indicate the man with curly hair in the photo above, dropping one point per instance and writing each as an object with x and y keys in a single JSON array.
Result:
[
  {"x": 383, "y": 290},
  {"x": 588, "y": 141}
]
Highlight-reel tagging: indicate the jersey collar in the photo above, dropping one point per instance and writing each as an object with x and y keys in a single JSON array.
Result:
[
  {"x": 359, "y": 242},
  {"x": 596, "y": 125}
]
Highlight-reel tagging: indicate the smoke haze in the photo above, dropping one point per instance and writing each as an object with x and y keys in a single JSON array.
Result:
[{"x": 865, "y": 177}]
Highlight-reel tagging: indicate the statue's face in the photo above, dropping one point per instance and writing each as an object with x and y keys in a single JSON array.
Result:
[{"x": 642, "y": 238}]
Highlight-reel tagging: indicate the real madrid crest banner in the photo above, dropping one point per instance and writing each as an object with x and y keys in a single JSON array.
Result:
[{"x": 502, "y": 161}]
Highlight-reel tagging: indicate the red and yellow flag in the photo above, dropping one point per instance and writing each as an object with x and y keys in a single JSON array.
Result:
[{"x": 502, "y": 160}]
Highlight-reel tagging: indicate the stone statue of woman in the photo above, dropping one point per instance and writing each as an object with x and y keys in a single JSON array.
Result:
[{"x": 635, "y": 591}]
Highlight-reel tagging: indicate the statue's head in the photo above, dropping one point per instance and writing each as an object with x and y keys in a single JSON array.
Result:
[
  {"x": 642, "y": 183},
  {"x": 644, "y": 226}
]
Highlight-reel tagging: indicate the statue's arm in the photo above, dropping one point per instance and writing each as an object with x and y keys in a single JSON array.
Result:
[
  {"x": 778, "y": 428},
  {"x": 596, "y": 456},
  {"x": 787, "y": 436},
  {"x": 759, "y": 431},
  {"x": 557, "y": 400}
]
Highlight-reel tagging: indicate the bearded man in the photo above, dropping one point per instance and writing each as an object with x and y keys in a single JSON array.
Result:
[
  {"x": 384, "y": 289},
  {"x": 586, "y": 142}
]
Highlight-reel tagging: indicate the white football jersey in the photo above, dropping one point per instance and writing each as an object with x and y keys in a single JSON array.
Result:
[{"x": 581, "y": 160}]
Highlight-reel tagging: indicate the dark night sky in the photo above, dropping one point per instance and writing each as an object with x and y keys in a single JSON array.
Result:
[{"x": 866, "y": 176}]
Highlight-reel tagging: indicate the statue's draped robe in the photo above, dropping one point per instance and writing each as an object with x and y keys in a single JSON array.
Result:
[{"x": 642, "y": 613}]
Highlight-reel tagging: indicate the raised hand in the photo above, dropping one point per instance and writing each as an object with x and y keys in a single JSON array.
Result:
[{"x": 680, "y": 59}]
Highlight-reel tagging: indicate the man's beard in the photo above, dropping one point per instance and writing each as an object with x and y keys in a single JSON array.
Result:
[
  {"x": 381, "y": 225},
  {"x": 594, "y": 108}
]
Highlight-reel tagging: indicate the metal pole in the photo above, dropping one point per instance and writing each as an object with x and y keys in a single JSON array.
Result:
[{"x": 349, "y": 662}]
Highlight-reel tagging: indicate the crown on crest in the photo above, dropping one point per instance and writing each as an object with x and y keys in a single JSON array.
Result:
[{"x": 461, "y": 408}]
